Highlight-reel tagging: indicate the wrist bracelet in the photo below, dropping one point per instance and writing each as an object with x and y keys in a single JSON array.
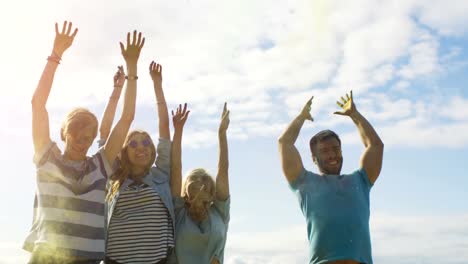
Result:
[
  {"x": 55, "y": 59},
  {"x": 134, "y": 77}
]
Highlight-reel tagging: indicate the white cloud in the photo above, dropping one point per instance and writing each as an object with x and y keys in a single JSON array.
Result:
[
  {"x": 447, "y": 17},
  {"x": 266, "y": 65},
  {"x": 395, "y": 239}
]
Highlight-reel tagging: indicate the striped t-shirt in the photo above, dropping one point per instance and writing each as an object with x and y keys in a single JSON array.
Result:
[
  {"x": 140, "y": 230},
  {"x": 69, "y": 205}
]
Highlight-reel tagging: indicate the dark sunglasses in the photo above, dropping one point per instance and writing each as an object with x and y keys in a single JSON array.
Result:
[{"x": 134, "y": 144}]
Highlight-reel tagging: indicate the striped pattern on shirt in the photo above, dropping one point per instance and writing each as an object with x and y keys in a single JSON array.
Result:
[
  {"x": 140, "y": 230},
  {"x": 69, "y": 206}
]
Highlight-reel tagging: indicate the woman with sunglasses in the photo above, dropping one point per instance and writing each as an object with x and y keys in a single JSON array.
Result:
[
  {"x": 201, "y": 205},
  {"x": 69, "y": 224},
  {"x": 140, "y": 210}
]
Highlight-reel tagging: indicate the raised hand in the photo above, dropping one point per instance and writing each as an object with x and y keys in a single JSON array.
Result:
[
  {"x": 64, "y": 39},
  {"x": 305, "y": 113},
  {"x": 132, "y": 52},
  {"x": 347, "y": 104},
  {"x": 179, "y": 118},
  {"x": 119, "y": 77},
  {"x": 156, "y": 72},
  {"x": 223, "y": 126}
]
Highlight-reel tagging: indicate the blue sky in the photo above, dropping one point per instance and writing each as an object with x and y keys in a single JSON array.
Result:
[{"x": 406, "y": 62}]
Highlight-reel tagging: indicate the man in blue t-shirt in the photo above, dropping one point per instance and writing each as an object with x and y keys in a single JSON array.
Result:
[{"x": 335, "y": 205}]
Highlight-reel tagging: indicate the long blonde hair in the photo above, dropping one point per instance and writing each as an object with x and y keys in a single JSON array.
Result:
[{"x": 124, "y": 169}]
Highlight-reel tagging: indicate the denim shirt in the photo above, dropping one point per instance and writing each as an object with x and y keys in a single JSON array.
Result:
[{"x": 158, "y": 178}]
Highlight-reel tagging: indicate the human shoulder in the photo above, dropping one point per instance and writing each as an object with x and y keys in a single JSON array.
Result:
[{"x": 304, "y": 178}]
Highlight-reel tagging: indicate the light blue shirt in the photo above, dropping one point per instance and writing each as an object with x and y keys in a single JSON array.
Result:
[
  {"x": 336, "y": 208},
  {"x": 200, "y": 243}
]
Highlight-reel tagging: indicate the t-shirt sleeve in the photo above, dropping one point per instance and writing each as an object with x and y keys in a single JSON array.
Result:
[
  {"x": 364, "y": 179},
  {"x": 179, "y": 204},
  {"x": 104, "y": 163},
  {"x": 223, "y": 208},
  {"x": 101, "y": 142},
  {"x": 163, "y": 158},
  {"x": 43, "y": 155},
  {"x": 299, "y": 181}
]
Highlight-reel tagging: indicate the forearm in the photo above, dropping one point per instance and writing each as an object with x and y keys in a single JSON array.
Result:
[
  {"x": 368, "y": 134},
  {"x": 109, "y": 113},
  {"x": 128, "y": 111},
  {"x": 163, "y": 114},
  {"x": 41, "y": 94},
  {"x": 176, "y": 163},
  {"x": 222, "y": 179},
  {"x": 291, "y": 133}
]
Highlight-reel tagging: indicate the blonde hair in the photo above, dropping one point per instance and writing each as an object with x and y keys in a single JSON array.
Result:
[
  {"x": 202, "y": 175},
  {"x": 124, "y": 169},
  {"x": 76, "y": 120}
]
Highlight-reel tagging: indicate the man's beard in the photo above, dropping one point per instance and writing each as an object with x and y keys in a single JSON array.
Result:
[{"x": 323, "y": 167}]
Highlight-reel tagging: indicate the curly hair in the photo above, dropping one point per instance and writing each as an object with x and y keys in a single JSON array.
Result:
[{"x": 124, "y": 169}]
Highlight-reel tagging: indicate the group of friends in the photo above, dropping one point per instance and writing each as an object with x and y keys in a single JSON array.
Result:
[{"x": 127, "y": 203}]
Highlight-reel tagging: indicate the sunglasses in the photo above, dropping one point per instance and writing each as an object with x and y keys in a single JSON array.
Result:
[{"x": 134, "y": 144}]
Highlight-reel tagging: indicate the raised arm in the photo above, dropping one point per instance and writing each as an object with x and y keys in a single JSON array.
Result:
[
  {"x": 131, "y": 53},
  {"x": 178, "y": 120},
  {"x": 290, "y": 158},
  {"x": 109, "y": 112},
  {"x": 40, "y": 117},
  {"x": 222, "y": 178},
  {"x": 371, "y": 159},
  {"x": 156, "y": 76}
]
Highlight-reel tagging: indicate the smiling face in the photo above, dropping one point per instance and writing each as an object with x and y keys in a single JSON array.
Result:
[
  {"x": 78, "y": 143},
  {"x": 140, "y": 151},
  {"x": 78, "y": 132},
  {"x": 328, "y": 156}
]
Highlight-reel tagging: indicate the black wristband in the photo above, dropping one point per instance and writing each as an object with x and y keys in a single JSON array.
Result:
[{"x": 131, "y": 77}]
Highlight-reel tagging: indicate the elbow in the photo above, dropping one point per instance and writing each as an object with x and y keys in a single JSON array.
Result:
[
  {"x": 36, "y": 104},
  {"x": 280, "y": 139}
]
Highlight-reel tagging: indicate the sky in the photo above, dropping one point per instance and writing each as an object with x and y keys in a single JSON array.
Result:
[{"x": 406, "y": 62}]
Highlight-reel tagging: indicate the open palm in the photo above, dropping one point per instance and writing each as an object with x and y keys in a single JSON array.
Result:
[{"x": 346, "y": 104}]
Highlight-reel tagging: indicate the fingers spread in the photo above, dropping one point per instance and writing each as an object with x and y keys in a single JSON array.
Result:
[
  {"x": 64, "y": 26},
  {"x": 139, "y": 39},
  {"x": 74, "y": 33},
  {"x": 339, "y": 104},
  {"x": 134, "y": 37},
  {"x": 69, "y": 28},
  {"x": 122, "y": 48}
]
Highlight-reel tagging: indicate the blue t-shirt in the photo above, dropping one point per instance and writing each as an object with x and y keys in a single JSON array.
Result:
[{"x": 336, "y": 208}]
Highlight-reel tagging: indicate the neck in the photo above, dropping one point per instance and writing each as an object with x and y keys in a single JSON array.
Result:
[
  {"x": 138, "y": 173},
  {"x": 68, "y": 156}
]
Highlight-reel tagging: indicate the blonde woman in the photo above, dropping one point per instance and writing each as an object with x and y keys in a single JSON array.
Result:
[
  {"x": 202, "y": 205},
  {"x": 140, "y": 209},
  {"x": 68, "y": 224}
]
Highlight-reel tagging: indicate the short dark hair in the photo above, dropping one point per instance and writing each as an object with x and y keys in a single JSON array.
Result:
[{"x": 320, "y": 136}]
